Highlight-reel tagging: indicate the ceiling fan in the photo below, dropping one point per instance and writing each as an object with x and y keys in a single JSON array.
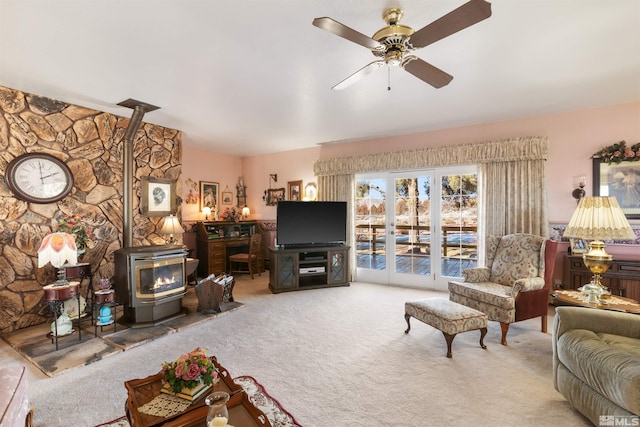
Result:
[{"x": 393, "y": 43}]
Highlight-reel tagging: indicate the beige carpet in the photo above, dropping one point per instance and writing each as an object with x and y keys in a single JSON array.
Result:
[{"x": 334, "y": 357}]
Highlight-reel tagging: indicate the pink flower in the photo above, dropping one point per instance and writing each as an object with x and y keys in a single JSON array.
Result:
[
  {"x": 629, "y": 153},
  {"x": 179, "y": 370},
  {"x": 193, "y": 372}
]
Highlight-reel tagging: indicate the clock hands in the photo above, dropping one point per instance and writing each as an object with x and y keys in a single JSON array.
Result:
[
  {"x": 51, "y": 174},
  {"x": 40, "y": 167}
]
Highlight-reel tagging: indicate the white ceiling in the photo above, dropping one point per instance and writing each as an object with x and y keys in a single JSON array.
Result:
[{"x": 253, "y": 77}]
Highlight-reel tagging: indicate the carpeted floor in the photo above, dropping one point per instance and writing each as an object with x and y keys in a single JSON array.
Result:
[
  {"x": 86, "y": 348},
  {"x": 336, "y": 356}
]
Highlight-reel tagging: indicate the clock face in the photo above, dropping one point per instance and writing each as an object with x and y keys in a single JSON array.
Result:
[{"x": 39, "y": 178}]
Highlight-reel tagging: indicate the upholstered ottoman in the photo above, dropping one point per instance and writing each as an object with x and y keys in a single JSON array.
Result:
[
  {"x": 15, "y": 410},
  {"x": 448, "y": 317}
]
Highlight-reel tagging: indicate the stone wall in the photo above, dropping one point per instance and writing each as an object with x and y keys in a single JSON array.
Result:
[{"x": 90, "y": 142}]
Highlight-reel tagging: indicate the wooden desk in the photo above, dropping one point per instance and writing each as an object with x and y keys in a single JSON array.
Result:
[
  {"x": 216, "y": 240},
  {"x": 242, "y": 413}
]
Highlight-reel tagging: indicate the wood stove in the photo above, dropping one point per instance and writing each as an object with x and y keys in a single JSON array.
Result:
[{"x": 150, "y": 282}]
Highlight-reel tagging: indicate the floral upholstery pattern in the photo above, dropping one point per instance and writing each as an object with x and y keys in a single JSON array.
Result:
[
  {"x": 515, "y": 263},
  {"x": 445, "y": 315}
]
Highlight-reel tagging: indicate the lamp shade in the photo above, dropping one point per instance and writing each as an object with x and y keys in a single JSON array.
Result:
[
  {"x": 599, "y": 218},
  {"x": 58, "y": 249},
  {"x": 246, "y": 212},
  {"x": 171, "y": 225},
  {"x": 206, "y": 211}
]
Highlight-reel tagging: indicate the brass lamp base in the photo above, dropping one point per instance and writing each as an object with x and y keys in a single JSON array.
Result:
[{"x": 597, "y": 261}]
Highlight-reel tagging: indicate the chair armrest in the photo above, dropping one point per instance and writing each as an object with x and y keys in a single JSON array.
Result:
[
  {"x": 477, "y": 274},
  {"x": 526, "y": 285},
  {"x": 598, "y": 321}
]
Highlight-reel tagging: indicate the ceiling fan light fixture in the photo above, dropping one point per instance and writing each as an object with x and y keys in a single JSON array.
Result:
[{"x": 393, "y": 58}]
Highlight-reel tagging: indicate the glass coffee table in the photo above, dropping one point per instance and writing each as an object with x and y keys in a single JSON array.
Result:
[
  {"x": 577, "y": 298},
  {"x": 242, "y": 413}
]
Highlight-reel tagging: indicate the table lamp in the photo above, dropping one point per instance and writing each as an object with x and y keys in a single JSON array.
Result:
[
  {"x": 245, "y": 213},
  {"x": 207, "y": 212},
  {"x": 598, "y": 219},
  {"x": 58, "y": 249},
  {"x": 171, "y": 226}
]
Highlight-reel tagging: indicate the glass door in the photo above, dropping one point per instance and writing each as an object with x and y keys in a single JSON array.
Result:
[{"x": 395, "y": 215}]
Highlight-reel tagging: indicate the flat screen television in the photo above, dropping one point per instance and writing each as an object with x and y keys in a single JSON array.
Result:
[{"x": 311, "y": 223}]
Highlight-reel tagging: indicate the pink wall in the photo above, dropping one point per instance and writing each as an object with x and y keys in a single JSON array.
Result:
[
  {"x": 573, "y": 138},
  {"x": 203, "y": 165}
]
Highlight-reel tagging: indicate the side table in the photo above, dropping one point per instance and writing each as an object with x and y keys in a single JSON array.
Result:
[
  {"x": 104, "y": 298},
  {"x": 576, "y": 298},
  {"x": 55, "y": 296}
]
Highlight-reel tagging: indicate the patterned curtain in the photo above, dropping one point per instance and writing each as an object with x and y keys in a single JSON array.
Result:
[{"x": 511, "y": 176}]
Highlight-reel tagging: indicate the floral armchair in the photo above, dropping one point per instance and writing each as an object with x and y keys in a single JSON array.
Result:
[{"x": 515, "y": 284}]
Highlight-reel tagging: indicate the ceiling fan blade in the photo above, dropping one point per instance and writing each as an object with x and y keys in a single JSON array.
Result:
[
  {"x": 427, "y": 72},
  {"x": 466, "y": 15},
  {"x": 358, "y": 75},
  {"x": 345, "y": 32}
]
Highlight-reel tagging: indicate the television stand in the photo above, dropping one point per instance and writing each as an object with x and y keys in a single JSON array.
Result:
[{"x": 311, "y": 267}]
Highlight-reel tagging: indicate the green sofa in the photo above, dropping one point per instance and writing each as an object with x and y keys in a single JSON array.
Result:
[{"x": 596, "y": 361}]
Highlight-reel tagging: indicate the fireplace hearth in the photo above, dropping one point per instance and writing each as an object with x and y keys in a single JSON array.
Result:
[{"x": 150, "y": 282}]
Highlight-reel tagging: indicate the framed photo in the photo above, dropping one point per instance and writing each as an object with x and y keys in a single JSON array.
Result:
[
  {"x": 621, "y": 180},
  {"x": 209, "y": 195},
  {"x": 227, "y": 198},
  {"x": 158, "y": 196},
  {"x": 311, "y": 192},
  {"x": 274, "y": 195},
  {"x": 579, "y": 246},
  {"x": 295, "y": 190}
]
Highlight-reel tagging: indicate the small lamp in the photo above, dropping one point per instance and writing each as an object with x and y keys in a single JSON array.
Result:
[
  {"x": 579, "y": 182},
  {"x": 171, "y": 226},
  {"x": 597, "y": 219},
  {"x": 58, "y": 249},
  {"x": 245, "y": 213},
  {"x": 207, "y": 212}
]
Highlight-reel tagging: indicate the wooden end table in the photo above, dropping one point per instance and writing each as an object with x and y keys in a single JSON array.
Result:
[
  {"x": 242, "y": 413},
  {"x": 576, "y": 298}
]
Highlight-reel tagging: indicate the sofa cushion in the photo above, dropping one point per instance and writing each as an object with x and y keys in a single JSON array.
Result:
[
  {"x": 610, "y": 364},
  {"x": 490, "y": 298}
]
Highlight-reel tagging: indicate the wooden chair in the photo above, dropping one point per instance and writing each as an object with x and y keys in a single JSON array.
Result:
[{"x": 251, "y": 259}]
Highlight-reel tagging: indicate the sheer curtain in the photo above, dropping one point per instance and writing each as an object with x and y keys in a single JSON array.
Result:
[{"x": 511, "y": 174}]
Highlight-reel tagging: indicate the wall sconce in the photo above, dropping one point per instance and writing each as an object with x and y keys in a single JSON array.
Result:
[
  {"x": 245, "y": 213},
  {"x": 171, "y": 226},
  {"x": 207, "y": 212},
  {"x": 579, "y": 182}
]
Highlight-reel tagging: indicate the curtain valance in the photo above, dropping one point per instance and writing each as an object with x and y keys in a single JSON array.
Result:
[{"x": 524, "y": 148}]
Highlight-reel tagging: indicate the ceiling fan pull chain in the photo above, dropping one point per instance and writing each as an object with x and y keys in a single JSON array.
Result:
[{"x": 388, "y": 78}]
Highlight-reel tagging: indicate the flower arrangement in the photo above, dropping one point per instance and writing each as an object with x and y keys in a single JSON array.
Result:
[
  {"x": 231, "y": 215},
  {"x": 189, "y": 371},
  {"x": 619, "y": 152},
  {"x": 73, "y": 225}
]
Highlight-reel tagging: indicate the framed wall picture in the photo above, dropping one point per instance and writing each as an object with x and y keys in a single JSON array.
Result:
[
  {"x": 295, "y": 190},
  {"x": 579, "y": 246},
  {"x": 621, "y": 180},
  {"x": 227, "y": 198},
  {"x": 158, "y": 196},
  {"x": 209, "y": 192},
  {"x": 274, "y": 195},
  {"x": 311, "y": 192}
]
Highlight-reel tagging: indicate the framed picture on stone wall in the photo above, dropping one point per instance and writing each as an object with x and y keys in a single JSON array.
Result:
[{"x": 158, "y": 196}]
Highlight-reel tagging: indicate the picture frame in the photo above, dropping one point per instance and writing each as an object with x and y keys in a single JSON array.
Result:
[
  {"x": 157, "y": 196},
  {"x": 209, "y": 192},
  {"x": 274, "y": 195},
  {"x": 227, "y": 198},
  {"x": 295, "y": 190},
  {"x": 311, "y": 192},
  {"x": 579, "y": 246},
  {"x": 621, "y": 180}
]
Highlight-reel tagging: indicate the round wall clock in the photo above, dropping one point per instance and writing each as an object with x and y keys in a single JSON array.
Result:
[{"x": 38, "y": 178}]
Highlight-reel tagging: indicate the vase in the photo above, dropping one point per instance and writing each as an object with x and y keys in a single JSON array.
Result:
[{"x": 218, "y": 415}]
